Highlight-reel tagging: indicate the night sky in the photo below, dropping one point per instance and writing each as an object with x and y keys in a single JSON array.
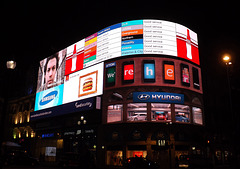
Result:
[{"x": 34, "y": 30}]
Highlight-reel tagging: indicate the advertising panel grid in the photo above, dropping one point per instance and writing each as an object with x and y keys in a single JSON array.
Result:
[{"x": 122, "y": 39}]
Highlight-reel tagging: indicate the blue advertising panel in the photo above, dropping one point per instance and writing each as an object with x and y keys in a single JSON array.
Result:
[
  {"x": 133, "y": 22},
  {"x": 109, "y": 28},
  {"x": 149, "y": 71},
  {"x": 49, "y": 98},
  {"x": 158, "y": 97}
]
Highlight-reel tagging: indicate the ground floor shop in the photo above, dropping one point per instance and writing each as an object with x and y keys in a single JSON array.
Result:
[
  {"x": 161, "y": 143},
  {"x": 112, "y": 145}
]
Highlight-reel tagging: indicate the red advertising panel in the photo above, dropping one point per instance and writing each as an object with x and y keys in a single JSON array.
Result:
[
  {"x": 128, "y": 72},
  {"x": 187, "y": 44},
  {"x": 74, "y": 59}
]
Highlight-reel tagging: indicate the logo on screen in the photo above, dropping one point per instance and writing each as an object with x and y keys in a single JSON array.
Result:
[
  {"x": 149, "y": 71},
  {"x": 128, "y": 72},
  {"x": 187, "y": 45},
  {"x": 48, "y": 98},
  {"x": 169, "y": 72},
  {"x": 143, "y": 97},
  {"x": 185, "y": 75},
  {"x": 111, "y": 75}
]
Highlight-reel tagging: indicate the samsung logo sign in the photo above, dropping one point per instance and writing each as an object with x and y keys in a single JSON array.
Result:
[
  {"x": 48, "y": 98},
  {"x": 158, "y": 97}
]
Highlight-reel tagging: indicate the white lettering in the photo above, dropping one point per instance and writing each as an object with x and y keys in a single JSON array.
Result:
[
  {"x": 89, "y": 104},
  {"x": 149, "y": 71},
  {"x": 48, "y": 98},
  {"x": 170, "y": 72}
]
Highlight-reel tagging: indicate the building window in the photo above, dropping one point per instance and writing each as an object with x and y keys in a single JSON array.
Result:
[
  {"x": 182, "y": 113},
  {"x": 33, "y": 134},
  {"x": 137, "y": 153},
  {"x": 197, "y": 115},
  {"x": 137, "y": 112},
  {"x": 115, "y": 158},
  {"x": 115, "y": 97},
  {"x": 160, "y": 112},
  {"x": 114, "y": 113}
]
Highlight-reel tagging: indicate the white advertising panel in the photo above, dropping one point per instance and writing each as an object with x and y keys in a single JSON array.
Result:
[
  {"x": 143, "y": 37},
  {"x": 83, "y": 84},
  {"x": 159, "y": 37}
]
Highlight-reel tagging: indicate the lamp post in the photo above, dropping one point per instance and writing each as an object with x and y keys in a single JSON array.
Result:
[
  {"x": 11, "y": 64},
  {"x": 227, "y": 61}
]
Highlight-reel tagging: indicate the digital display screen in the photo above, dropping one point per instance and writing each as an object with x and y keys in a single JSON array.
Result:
[
  {"x": 65, "y": 76},
  {"x": 185, "y": 75},
  {"x": 74, "y": 58},
  {"x": 187, "y": 44},
  {"x": 79, "y": 85},
  {"x": 169, "y": 72},
  {"x": 83, "y": 84},
  {"x": 149, "y": 71},
  {"x": 135, "y": 37},
  {"x": 128, "y": 72},
  {"x": 110, "y": 74},
  {"x": 196, "y": 84}
]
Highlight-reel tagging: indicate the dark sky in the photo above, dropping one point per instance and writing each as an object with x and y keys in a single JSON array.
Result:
[{"x": 34, "y": 30}]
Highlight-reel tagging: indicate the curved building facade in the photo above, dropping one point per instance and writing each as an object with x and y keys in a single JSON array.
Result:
[{"x": 137, "y": 82}]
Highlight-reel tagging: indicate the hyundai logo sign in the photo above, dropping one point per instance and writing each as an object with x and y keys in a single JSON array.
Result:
[
  {"x": 143, "y": 96},
  {"x": 158, "y": 97}
]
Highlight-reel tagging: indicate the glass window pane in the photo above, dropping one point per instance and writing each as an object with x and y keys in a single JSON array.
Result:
[
  {"x": 137, "y": 112},
  {"x": 114, "y": 113},
  {"x": 182, "y": 113},
  {"x": 197, "y": 115},
  {"x": 160, "y": 112},
  {"x": 137, "y": 153},
  {"x": 114, "y": 158}
]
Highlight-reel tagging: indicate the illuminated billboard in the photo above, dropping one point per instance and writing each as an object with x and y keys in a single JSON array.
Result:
[
  {"x": 76, "y": 86},
  {"x": 83, "y": 84},
  {"x": 141, "y": 37},
  {"x": 76, "y": 73}
]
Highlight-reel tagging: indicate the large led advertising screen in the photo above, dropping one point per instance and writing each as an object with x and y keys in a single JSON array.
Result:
[
  {"x": 76, "y": 86},
  {"x": 134, "y": 37},
  {"x": 76, "y": 72}
]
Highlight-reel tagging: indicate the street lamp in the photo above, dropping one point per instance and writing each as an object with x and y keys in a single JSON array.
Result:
[
  {"x": 11, "y": 64},
  {"x": 227, "y": 59}
]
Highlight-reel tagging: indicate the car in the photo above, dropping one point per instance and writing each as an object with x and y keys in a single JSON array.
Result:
[
  {"x": 138, "y": 116},
  {"x": 160, "y": 116},
  {"x": 70, "y": 159},
  {"x": 20, "y": 158},
  {"x": 181, "y": 118},
  {"x": 140, "y": 162},
  {"x": 194, "y": 161},
  {"x": 183, "y": 161},
  {"x": 77, "y": 160}
]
